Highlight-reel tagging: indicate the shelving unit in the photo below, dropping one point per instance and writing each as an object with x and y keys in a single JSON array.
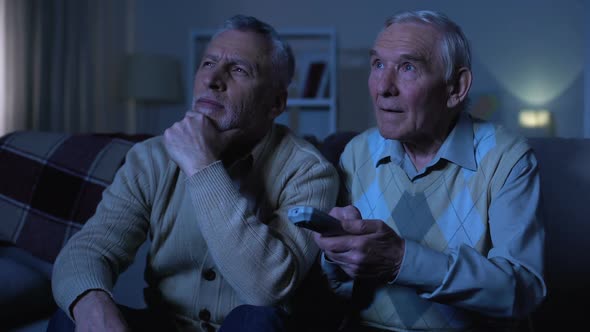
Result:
[{"x": 312, "y": 103}]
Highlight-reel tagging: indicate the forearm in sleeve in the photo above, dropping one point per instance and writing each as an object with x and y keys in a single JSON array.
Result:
[
  {"x": 263, "y": 260},
  {"x": 105, "y": 246},
  {"x": 508, "y": 282}
]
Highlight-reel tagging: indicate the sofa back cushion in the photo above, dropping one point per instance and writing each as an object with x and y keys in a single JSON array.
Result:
[
  {"x": 50, "y": 184},
  {"x": 565, "y": 185},
  {"x": 565, "y": 182}
]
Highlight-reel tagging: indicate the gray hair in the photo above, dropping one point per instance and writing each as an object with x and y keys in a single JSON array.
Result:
[
  {"x": 454, "y": 49},
  {"x": 282, "y": 59}
]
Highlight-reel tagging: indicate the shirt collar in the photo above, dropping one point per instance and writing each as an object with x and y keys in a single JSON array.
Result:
[
  {"x": 387, "y": 150},
  {"x": 457, "y": 147}
]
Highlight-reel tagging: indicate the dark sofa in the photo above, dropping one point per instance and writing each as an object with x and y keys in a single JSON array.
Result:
[{"x": 50, "y": 184}]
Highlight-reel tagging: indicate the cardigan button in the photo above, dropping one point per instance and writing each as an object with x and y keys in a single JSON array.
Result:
[
  {"x": 204, "y": 315},
  {"x": 209, "y": 274}
]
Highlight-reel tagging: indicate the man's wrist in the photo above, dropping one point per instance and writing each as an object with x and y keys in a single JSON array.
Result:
[
  {"x": 194, "y": 169},
  {"x": 87, "y": 300}
]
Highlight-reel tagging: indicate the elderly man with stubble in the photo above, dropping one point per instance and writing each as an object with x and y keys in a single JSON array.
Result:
[{"x": 212, "y": 194}]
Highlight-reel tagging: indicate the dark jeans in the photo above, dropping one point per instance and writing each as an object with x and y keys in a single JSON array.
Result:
[
  {"x": 251, "y": 318},
  {"x": 244, "y": 318},
  {"x": 137, "y": 319}
]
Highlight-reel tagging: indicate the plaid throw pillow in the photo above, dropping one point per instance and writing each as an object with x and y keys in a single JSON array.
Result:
[{"x": 50, "y": 184}]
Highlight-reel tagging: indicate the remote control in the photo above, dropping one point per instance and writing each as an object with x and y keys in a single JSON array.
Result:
[{"x": 315, "y": 220}]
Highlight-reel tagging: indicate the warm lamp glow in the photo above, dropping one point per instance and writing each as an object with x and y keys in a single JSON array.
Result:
[
  {"x": 534, "y": 118},
  {"x": 537, "y": 64}
]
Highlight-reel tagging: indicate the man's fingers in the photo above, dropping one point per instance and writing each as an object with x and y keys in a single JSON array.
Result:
[
  {"x": 351, "y": 212},
  {"x": 335, "y": 244},
  {"x": 347, "y": 212},
  {"x": 352, "y": 267},
  {"x": 362, "y": 264},
  {"x": 361, "y": 226},
  {"x": 201, "y": 119},
  {"x": 193, "y": 115},
  {"x": 344, "y": 243}
]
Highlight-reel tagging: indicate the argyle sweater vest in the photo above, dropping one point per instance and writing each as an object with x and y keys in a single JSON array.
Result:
[{"x": 443, "y": 209}]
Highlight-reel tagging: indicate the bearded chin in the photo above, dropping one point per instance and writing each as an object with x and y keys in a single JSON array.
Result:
[
  {"x": 224, "y": 124},
  {"x": 218, "y": 120}
]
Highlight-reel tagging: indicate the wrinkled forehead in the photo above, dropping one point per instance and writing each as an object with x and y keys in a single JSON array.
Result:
[
  {"x": 244, "y": 45},
  {"x": 409, "y": 38}
]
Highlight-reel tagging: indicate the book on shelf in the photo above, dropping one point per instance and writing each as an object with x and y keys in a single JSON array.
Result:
[{"x": 316, "y": 79}]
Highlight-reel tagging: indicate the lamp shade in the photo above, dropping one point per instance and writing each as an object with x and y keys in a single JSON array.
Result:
[{"x": 151, "y": 78}]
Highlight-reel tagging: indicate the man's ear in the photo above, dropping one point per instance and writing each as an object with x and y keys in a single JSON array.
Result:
[
  {"x": 279, "y": 105},
  {"x": 459, "y": 87}
]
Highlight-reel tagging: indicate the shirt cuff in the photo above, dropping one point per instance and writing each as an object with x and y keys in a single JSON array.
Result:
[{"x": 422, "y": 267}]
